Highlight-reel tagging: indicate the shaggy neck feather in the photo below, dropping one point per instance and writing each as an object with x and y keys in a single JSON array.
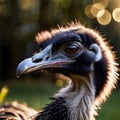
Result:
[{"x": 79, "y": 96}]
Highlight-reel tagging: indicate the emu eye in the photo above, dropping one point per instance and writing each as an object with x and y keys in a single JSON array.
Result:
[{"x": 71, "y": 49}]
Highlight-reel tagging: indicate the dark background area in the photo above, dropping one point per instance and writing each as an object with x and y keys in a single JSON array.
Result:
[{"x": 21, "y": 20}]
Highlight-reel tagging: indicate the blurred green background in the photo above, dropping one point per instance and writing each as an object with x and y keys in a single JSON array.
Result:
[{"x": 21, "y": 20}]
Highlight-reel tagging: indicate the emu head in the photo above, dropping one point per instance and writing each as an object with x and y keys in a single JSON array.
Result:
[{"x": 76, "y": 51}]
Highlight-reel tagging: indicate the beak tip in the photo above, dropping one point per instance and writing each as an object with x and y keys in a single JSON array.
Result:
[
  {"x": 20, "y": 70},
  {"x": 18, "y": 73},
  {"x": 23, "y": 66}
]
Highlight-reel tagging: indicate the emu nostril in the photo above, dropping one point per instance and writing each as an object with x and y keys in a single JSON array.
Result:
[
  {"x": 47, "y": 57},
  {"x": 37, "y": 60}
]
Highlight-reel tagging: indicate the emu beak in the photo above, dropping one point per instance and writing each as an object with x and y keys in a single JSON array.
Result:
[{"x": 43, "y": 60}]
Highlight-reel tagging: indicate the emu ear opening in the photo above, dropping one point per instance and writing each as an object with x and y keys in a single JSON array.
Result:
[{"x": 98, "y": 53}]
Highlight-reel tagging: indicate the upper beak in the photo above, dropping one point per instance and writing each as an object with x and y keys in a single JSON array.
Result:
[{"x": 42, "y": 60}]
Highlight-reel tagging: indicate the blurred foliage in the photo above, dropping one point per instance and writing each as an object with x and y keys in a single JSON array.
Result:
[
  {"x": 41, "y": 92},
  {"x": 20, "y": 20}
]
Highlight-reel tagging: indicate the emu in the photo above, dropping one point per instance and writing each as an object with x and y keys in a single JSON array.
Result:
[{"x": 86, "y": 60}]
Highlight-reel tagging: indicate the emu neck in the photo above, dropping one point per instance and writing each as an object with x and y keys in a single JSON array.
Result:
[{"x": 79, "y": 96}]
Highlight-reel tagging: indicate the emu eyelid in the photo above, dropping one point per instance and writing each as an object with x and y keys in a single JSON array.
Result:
[
  {"x": 71, "y": 49},
  {"x": 77, "y": 52}
]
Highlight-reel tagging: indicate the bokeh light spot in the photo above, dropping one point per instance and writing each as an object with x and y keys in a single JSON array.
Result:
[
  {"x": 88, "y": 11},
  {"x": 116, "y": 14},
  {"x": 59, "y": 82},
  {"x": 96, "y": 8},
  {"x": 103, "y": 2},
  {"x": 104, "y": 17},
  {"x": 26, "y": 4}
]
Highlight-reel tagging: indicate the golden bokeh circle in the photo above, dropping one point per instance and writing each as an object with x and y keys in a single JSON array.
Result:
[
  {"x": 116, "y": 14},
  {"x": 88, "y": 11},
  {"x": 96, "y": 8},
  {"x": 104, "y": 17},
  {"x": 103, "y": 2}
]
